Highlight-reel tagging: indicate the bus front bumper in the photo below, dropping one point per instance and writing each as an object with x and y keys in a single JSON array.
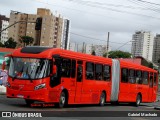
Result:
[{"x": 37, "y": 95}]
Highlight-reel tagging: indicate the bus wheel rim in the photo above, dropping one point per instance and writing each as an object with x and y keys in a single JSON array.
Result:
[
  {"x": 138, "y": 101},
  {"x": 62, "y": 100},
  {"x": 102, "y": 99}
]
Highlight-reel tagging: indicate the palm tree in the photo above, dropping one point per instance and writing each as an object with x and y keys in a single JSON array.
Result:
[{"x": 26, "y": 40}]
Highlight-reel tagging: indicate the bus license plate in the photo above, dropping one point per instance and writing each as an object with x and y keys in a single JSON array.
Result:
[{"x": 20, "y": 96}]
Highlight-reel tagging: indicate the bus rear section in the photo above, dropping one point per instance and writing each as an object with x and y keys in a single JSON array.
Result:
[{"x": 137, "y": 83}]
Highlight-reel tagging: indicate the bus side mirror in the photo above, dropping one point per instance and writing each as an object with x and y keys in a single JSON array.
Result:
[
  {"x": 54, "y": 69},
  {"x": 3, "y": 65}
]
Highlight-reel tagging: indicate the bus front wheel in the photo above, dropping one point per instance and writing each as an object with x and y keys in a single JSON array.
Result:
[
  {"x": 102, "y": 99},
  {"x": 62, "y": 100}
]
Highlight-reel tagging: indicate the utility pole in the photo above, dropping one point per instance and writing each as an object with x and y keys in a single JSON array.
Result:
[
  {"x": 83, "y": 47},
  {"x": 107, "y": 44},
  {"x": 14, "y": 24}
]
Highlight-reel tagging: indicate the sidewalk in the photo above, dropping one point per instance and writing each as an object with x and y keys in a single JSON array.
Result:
[{"x": 2, "y": 90}]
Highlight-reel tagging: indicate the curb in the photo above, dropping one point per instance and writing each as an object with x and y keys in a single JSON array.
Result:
[{"x": 2, "y": 93}]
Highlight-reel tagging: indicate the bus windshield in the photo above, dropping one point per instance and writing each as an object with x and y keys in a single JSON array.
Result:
[{"x": 29, "y": 68}]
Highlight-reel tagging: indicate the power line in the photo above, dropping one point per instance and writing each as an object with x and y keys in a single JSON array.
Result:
[
  {"x": 88, "y": 3},
  {"x": 149, "y": 2},
  {"x": 123, "y": 45},
  {"x": 105, "y": 8},
  {"x": 147, "y": 6},
  {"x": 107, "y": 4},
  {"x": 95, "y": 38},
  {"x": 72, "y": 9},
  {"x": 88, "y": 36}
]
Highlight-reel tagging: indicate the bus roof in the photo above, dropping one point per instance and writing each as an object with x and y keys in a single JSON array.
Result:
[
  {"x": 135, "y": 66},
  {"x": 48, "y": 52}
]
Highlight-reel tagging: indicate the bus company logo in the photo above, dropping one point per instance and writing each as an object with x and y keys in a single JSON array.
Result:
[
  {"x": 21, "y": 87},
  {"x": 6, "y": 114}
]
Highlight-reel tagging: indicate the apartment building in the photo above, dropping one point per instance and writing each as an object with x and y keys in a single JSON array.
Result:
[
  {"x": 4, "y": 22},
  {"x": 142, "y": 44},
  {"x": 89, "y": 48},
  {"x": 50, "y": 34},
  {"x": 156, "y": 49}
]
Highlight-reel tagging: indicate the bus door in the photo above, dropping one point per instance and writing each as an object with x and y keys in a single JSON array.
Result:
[
  {"x": 150, "y": 87},
  {"x": 79, "y": 80}
]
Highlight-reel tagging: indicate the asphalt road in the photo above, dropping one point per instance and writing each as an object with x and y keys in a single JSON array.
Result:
[{"x": 10, "y": 104}]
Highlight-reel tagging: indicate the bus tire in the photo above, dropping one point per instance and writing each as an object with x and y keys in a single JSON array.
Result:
[
  {"x": 29, "y": 102},
  {"x": 62, "y": 100},
  {"x": 138, "y": 100},
  {"x": 102, "y": 99}
]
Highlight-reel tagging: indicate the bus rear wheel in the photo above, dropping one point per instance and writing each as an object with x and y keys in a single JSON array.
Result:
[
  {"x": 102, "y": 99},
  {"x": 138, "y": 100}
]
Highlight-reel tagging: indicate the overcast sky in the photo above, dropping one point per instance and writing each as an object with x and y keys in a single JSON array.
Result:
[{"x": 94, "y": 18}]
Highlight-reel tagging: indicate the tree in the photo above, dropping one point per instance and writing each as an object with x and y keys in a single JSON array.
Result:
[
  {"x": 93, "y": 52},
  {"x": 119, "y": 54},
  {"x": 10, "y": 43},
  {"x": 26, "y": 40},
  {"x": 105, "y": 54},
  {"x": 1, "y": 44},
  {"x": 150, "y": 65}
]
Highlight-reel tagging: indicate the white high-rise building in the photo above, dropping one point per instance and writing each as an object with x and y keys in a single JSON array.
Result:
[
  {"x": 156, "y": 49},
  {"x": 142, "y": 44},
  {"x": 101, "y": 49},
  {"x": 65, "y": 34},
  {"x": 89, "y": 48},
  {"x": 72, "y": 46},
  {"x": 4, "y": 34}
]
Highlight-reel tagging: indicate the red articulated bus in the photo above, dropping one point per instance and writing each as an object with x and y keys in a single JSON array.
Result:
[{"x": 64, "y": 77}]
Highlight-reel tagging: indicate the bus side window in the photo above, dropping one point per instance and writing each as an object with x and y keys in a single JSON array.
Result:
[
  {"x": 79, "y": 73},
  {"x": 155, "y": 79},
  {"x": 73, "y": 69},
  {"x": 139, "y": 77},
  {"x": 132, "y": 76},
  {"x": 98, "y": 71},
  {"x": 66, "y": 67},
  {"x": 107, "y": 73},
  {"x": 145, "y": 78},
  {"x": 89, "y": 70},
  {"x": 124, "y": 75},
  {"x": 151, "y": 80}
]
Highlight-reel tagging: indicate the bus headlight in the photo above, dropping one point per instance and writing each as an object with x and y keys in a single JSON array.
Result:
[{"x": 40, "y": 86}]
